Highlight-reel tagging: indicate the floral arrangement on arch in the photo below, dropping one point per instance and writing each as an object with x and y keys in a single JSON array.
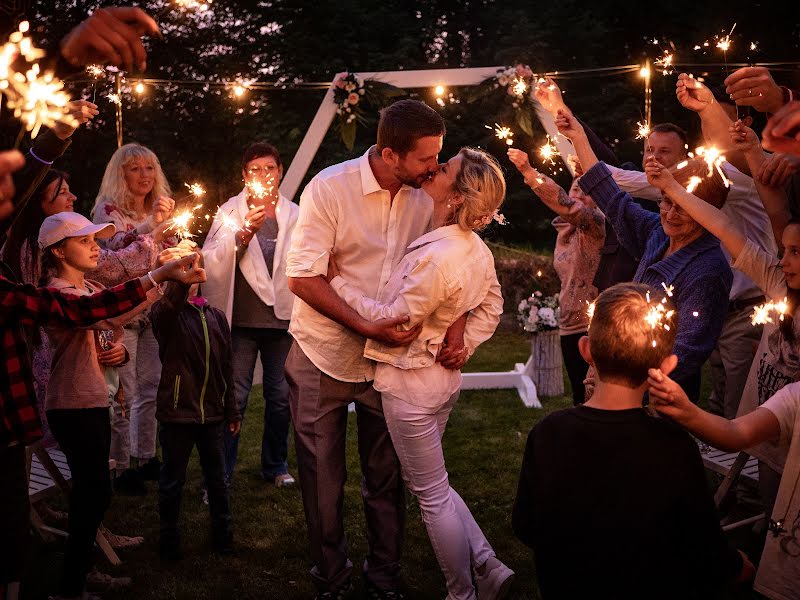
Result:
[
  {"x": 518, "y": 83},
  {"x": 351, "y": 95},
  {"x": 539, "y": 313}
]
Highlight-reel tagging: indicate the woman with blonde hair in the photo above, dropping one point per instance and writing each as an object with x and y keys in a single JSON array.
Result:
[
  {"x": 448, "y": 272},
  {"x": 135, "y": 196}
]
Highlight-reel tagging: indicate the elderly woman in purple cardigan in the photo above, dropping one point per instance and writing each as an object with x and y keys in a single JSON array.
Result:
[{"x": 675, "y": 253}]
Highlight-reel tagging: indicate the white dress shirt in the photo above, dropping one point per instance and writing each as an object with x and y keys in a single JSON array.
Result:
[
  {"x": 447, "y": 273},
  {"x": 344, "y": 211},
  {"x": 743, "y": 206}
]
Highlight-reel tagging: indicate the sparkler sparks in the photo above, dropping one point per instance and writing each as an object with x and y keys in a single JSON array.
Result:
[
  {"x": 658, "y": 316},
  {"x": 95, "y": 71},
  {"x": 196, "y": 189},
  {"x": 667, "y": 63},
  {"x": 182, "y": 221},
  {"x": 692, "y": 184},
  {"x": 643, "y": 130},
  {"x": 724, "y": 43},
  {"x": 114, "y": 98},
  {"x": 520, "y": 87},
  {"x": 37, "y": 98},
  {"x": 714, "y": 159},
  {"x": 548, "y": 151},
  {"x": 198, "y": 5},
  {"x": 762, "y": 314},
  {"x": 502, "y": 132}
]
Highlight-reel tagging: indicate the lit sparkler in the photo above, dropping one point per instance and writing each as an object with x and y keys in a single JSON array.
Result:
[
  {"x": 502, "y": 132},
  {"x": 37, "y": 98},
  {"x": 643, "y": 130},
  {"x": 198, "y": 5},
  {"x": 95, "y": 72},
  {"x": 196, "y": 189},
  {"x": 714, "y": 159},
  {"x": 762, "y": 314},
  {"x": 520, "y": 87},
  {"x": 548, "y": 151},
  {"x": 114, "y": 98},
  {"x": 182, "y": 221},
  {"x": 667, "y": 63},
  {"x": 692, "y": 184},
  {"x": 659, "y": 315}
]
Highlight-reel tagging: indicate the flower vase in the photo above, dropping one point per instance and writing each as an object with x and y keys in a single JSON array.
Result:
[{"x": 546, "y": 362}]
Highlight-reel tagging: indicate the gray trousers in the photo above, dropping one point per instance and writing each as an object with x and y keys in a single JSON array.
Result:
[
  {"x": 730, "y": 362},
  {"x": 319, "y": 414}
]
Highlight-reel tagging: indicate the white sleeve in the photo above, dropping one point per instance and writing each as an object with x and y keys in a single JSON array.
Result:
[
  {"x": 315, "y": 233},
  {"x": 484, "y": 319},
  {"x": 424, "y": 289},
  {"x": 635, "y": 183},
  {"x": 785, "y": 405}
]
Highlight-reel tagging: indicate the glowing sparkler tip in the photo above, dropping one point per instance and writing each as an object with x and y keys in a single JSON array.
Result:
[
  {"x": 95, "y": 71},
  {"x": 114, "y": 98},
  {"x": 520, "y": 87},
  {"x": 196, "y": 189},
  {"x": 643, "y": 130}
]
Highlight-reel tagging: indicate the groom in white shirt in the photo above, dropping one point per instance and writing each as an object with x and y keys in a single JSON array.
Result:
[{"x": 366, "y": 211}]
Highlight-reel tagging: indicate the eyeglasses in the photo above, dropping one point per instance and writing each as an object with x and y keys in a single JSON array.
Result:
[
  {"x": 665, "y": 206},
  {"x": 256, "y": 171}
]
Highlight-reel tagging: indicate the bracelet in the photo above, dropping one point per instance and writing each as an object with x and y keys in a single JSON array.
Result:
[{"x": 155, "y": 285}]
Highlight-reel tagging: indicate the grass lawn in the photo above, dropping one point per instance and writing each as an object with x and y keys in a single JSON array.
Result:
[{"x": 483, "y": 447}]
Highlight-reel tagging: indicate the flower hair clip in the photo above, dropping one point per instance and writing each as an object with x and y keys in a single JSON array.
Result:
[{"x": 495, "y": 216}]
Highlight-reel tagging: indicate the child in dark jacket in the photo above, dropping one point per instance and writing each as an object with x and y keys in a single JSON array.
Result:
[{"x": 195, "y": 403}]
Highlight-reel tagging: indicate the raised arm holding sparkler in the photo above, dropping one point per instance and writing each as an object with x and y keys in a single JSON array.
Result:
[
  {"x": 711, "y": 218},
  {"x": 774, "y": 198}
]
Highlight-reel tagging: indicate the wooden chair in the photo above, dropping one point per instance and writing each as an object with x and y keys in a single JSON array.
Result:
[
  {"x": 48, "y": 473},
  {"x": 732, "y": 466}
]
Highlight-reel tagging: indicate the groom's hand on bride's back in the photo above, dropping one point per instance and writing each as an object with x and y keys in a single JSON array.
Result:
[{"x": 387, "y": 332}]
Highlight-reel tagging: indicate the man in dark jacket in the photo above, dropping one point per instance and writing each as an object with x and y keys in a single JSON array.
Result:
[{"x": 195, "y": 402}]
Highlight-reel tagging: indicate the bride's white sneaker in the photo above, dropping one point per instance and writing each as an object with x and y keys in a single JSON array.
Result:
[{"x": 495, "y": 582}]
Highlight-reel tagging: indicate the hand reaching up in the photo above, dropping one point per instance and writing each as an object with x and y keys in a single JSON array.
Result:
[
  {"x": 82, "y": 111},
  {"x": 754, "y": 86},
  {"x": 692, "y": 94},
  {"x": 548, "y": 94},
  {"x": 782, "y": 133},
  {"x": 110, "y": 35},
  {"x": 743, "y": 138},
  {"x": 568, "y": 125},
  {"x": 668, "y": 398},
  {"x": 657, "y": 174},
  {"x": 777, "y": 169}
]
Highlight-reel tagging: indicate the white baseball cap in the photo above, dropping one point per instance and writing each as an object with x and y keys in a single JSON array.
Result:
[{"x": 71, "y": 224}]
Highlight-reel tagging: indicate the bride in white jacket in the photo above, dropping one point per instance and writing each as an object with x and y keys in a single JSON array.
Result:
[{"x": 245, "y": 258}]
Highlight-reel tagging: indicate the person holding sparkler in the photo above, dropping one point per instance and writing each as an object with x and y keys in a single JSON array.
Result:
[
  {"x": 675, "y": 251},
  {"x": 245, "y": 255},
  {"x": 135, "y": 196},
  {"x": 615, "y": 503},
  {"x": 581, "y": 229},
  {"x": 196, "y": 403},
  {"x": 776, "y": 364}
]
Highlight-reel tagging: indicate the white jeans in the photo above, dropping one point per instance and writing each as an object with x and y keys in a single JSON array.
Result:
[
  {"x": 136, "y": 435},
  {"x": 457, "y": 540}
]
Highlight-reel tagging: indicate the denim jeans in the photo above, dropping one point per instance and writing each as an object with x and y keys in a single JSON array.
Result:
[
  {"x": 273, "y": 344},
  {"x": 134, "y": 434}
]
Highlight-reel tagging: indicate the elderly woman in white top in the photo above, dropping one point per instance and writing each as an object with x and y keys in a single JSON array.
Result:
[
  {"x": 448, "y": 272},
  {"x": 246, "y": 267}
]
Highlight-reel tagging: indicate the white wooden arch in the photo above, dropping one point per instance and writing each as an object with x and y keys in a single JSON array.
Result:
[{"x": 520, "y": 377}]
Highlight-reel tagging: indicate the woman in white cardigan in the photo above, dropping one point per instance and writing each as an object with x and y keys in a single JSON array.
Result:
[{"x": 247, "y": 280}]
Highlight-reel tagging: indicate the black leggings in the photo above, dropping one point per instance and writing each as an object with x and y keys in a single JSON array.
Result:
[
  {"x": 576, "y": 366},
  {"x": 84, "y": 436}
]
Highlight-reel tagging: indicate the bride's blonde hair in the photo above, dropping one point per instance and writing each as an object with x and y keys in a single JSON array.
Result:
[
  {"x": 114, "y": 190},
  {"x": 482, "y": 185}
]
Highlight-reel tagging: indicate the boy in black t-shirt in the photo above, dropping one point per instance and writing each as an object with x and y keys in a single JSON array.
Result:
[{"x": 614, "y": 502}]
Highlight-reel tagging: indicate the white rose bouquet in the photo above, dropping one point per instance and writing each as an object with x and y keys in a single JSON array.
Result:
[{"x": 539, "y": 313}]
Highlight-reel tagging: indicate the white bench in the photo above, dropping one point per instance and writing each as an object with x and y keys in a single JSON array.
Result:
[
  {"x": 732, "y": 466},
  {"x": 48, "y": 473}
]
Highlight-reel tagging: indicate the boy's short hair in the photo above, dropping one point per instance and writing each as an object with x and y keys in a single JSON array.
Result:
[
  {"x": 404, "y": 122},
  {"x": 623, "y": 344}
]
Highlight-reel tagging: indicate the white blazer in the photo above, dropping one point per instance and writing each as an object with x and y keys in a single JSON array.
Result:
[{"x": 219, "y": 252}]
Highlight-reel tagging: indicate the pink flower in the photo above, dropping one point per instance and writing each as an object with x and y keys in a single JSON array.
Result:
[
  {"x": 353, "y": 98},
  {"x": 198, "y": 301}
]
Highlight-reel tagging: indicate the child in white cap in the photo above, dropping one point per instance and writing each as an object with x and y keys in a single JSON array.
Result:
[{"x": 83, "y": 379}]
